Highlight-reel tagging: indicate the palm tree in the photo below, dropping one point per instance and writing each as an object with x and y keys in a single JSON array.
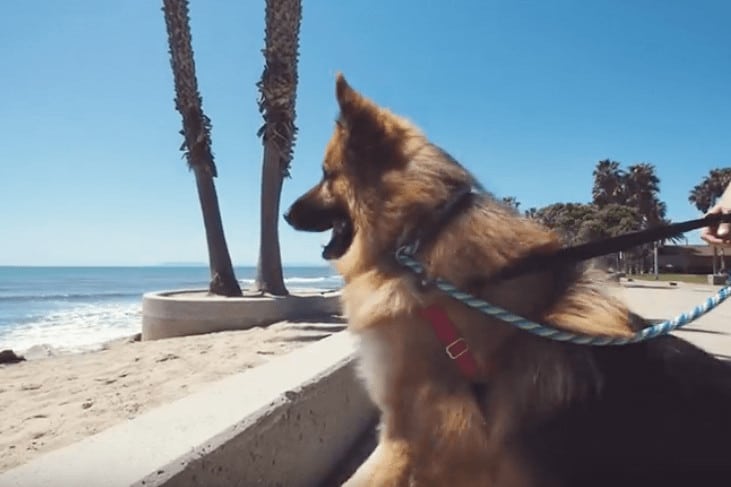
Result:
[
  {"x": 637, "y": 188},
  {"x": 704, "y": 195},
  {"x": 701, "y": 198},
  {"x": 278, "y": 89},
  {"x": 642, "y": 187},
  {"x": 609, "y": 183},
  {"x": 197, "y": 144}
]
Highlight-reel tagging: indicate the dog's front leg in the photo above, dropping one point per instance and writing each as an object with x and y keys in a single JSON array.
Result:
[{"x": 387, "y": 466}]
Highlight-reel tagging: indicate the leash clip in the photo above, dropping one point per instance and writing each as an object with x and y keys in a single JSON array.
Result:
[
  {"x": 405, "y": 257},
  {"x": 406, "y": 250}
]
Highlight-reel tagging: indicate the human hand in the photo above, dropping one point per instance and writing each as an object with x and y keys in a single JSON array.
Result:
[{"x": 718, "y": 235}]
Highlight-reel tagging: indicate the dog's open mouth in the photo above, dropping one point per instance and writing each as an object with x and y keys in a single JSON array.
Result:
[
  {"x": 340, "y": 240},
  {"x": 309, "y": 216}
]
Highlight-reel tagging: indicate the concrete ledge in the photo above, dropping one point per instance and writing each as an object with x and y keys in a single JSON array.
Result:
[
  {"x": 167, "y": 314},
  {"x": 285, "y": 423}
]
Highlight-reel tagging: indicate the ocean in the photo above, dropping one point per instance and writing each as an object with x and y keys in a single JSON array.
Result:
[{"x": 77, "y": 308}]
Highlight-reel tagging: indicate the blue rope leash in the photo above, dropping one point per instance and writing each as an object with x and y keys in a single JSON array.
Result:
[{"x": 405, "y": 257}]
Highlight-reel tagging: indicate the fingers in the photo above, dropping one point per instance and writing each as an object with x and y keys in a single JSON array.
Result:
[
  {"x": 718, "y": 235},
  {"x": 713, "y": 240},
  {"x": 724, "y": 229}
]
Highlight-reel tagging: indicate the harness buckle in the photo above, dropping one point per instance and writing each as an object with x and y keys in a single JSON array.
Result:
[{"x": 461, "y": 351}]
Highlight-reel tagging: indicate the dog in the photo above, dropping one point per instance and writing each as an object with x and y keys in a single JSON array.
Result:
[{"x": 525, "y": 411}]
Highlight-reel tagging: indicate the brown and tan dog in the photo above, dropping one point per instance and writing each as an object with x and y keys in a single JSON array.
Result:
[{"x": 535, "y": 412}]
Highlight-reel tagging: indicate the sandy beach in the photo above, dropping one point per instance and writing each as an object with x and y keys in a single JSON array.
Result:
[{"x": 51, "y": 402}]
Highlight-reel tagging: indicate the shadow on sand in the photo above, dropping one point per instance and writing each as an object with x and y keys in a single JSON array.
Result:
[
  {"x": 650, "y": 286},
  {"x": 321, "y": 319}
]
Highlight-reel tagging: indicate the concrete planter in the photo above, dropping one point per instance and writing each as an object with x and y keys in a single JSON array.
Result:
[{"x": 167, "y": 314}]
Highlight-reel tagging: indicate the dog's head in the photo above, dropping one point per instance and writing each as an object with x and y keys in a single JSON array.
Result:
[{"x": 380, "y": 175}]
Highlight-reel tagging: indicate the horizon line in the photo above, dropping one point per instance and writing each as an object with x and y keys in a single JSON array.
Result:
[{"x": 164, "y": 264}]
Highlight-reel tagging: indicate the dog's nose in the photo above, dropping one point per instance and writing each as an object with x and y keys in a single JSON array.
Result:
[{"x": 287, "y": 217}]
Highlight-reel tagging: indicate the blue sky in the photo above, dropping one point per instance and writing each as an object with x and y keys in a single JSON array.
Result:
[{"x": 528, "y": 95}]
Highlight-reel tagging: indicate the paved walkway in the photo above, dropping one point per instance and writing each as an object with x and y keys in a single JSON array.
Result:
[{"x": 662, "y": 301}]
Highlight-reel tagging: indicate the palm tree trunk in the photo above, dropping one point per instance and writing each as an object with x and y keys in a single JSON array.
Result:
[
  {"x": 269, "y": 276},
  {"x": 223, "y": 280},
  {"x": 278, "y": 90},
  {"x": 197, "y": 141}
]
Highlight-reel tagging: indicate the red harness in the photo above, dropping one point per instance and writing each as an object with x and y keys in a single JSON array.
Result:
[
  {"x": 448, "y": 334},
  {"x": 454, "y": 345}
]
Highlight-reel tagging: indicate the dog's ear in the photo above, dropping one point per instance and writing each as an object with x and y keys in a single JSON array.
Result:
[
  {"x": 356, "y": 112},
  {"x": 368, "y": 131},
  {"x": 348, "y": 98}
]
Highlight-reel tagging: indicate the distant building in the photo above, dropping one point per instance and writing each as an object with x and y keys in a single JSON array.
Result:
[{"x": 687, "y": 259}]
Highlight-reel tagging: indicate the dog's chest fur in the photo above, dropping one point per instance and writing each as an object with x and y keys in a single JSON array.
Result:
[
  {"x": 376, "y": 367},
  {"x": 377, "y": 314}
]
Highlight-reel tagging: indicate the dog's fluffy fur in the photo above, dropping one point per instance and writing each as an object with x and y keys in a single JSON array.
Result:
[{"x": 548, "y": 413}]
